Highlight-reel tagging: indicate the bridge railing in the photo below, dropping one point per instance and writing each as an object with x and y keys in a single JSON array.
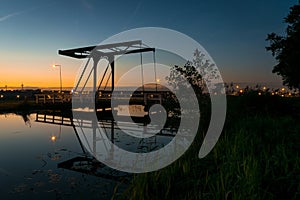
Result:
[
  {"x": 137, "y": 97},
  {"x": 52, "y": 98}
]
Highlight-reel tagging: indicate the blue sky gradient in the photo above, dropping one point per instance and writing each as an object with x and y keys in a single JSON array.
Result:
[{"x": 233, "y": 32}]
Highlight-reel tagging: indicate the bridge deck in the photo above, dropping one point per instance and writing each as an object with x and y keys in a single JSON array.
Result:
[{"x": 103, "y": 97}]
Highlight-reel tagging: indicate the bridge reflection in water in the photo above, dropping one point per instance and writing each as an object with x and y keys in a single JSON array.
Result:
[{"x": 87, "y": 163}]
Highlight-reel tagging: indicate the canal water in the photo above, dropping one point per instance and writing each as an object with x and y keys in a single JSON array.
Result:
[
  {"x": 38, "y": 161},
  {"x": 30, "y": 153}
]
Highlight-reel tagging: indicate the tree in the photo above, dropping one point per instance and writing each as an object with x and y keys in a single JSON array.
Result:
[
  {"x": 192, "y": 75},
  {"x": 198, "y": 73},
  {"x": 180, "y": 74},
  {"x": 286, "y": 49}
]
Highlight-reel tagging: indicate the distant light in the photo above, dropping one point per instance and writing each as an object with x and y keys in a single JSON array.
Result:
[
  {"x": 282, "y": 95},
  {"x": 290, "y": 94},
  {"x": 53, "y": 138},
  {"x": 158, "y": 80},
  {"x": 18, "y": 96},
  {"x": 264, "y": 88},
  {"x": 282, "y": 89},
  {"x": 241, "y": 91},
  {"x": 259, "y": 93},
  {"x": 2, "y": 96},
  {"x": 55, "y": 65},
  {"x": 237, "y": 86},
  {"x": 273, "y": 93}
]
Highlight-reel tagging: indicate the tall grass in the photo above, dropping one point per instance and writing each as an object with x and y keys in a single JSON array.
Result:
[{"x": 256, "y": 157}]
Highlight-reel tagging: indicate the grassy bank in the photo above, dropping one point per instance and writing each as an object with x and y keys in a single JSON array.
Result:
[{"x": 256, "y": 157}]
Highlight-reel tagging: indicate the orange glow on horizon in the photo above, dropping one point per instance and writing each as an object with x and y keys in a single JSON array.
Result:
[
  {"x": 14, "y": 77},
  {"x": 67, "y": 83}
]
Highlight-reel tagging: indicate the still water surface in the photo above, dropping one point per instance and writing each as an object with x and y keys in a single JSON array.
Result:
[
  {"x": 41, "y": 160},
  {"x": 30, "y": 153}
]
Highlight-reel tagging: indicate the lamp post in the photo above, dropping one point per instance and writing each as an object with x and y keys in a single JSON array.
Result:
[{"x": 55, "y": 65}]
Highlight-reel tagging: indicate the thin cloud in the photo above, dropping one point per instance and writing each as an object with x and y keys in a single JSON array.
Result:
[
  {"x": 6, "y": 17},
  {"x": 134, "y": 13}
]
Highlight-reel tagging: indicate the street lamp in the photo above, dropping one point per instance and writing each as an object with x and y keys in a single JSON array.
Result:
[{"x": 54, "y": 66}]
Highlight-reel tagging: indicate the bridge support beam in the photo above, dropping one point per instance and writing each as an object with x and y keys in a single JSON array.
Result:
[{"x": 111, "y": 60}]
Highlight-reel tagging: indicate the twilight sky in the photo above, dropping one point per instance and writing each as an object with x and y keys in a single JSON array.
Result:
[{"x": 233, "y": 32}]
